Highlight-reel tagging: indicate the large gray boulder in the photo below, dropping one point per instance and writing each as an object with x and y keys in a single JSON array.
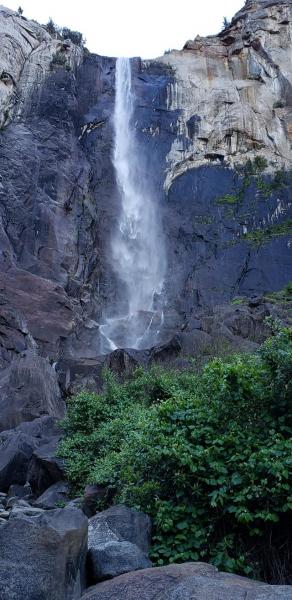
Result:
[
  {"x": 28, "y": 390},
  {"x": 45, "y": 466},
  {"x": 17, "y": 447},
  {"x": 127, "y": 523},
  {"x": 43, "y": 555},
  {"x": 118, "y": 542},
  {"x": 53, "y": 496},
  {"x": 189, "y": 581},
  {"x": 113, "y": 558}
]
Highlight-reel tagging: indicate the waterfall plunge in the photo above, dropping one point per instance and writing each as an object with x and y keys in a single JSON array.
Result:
[{"x": 137, "y": 244}]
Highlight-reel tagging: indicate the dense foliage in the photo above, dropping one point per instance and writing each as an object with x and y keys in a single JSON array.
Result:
[
  {"x": 65, "y": 33},
  {"x": 207, "y": 454}
]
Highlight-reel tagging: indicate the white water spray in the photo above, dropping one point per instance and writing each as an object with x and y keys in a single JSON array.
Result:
[{"x": 137, "y": 244}]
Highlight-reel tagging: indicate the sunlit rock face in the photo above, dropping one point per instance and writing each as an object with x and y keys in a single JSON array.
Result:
[
  {"x": 199, "y": 115},
  {"x": 234, "y": 92}
]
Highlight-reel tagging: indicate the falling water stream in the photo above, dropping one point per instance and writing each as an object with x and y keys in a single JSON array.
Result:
[{"x": 137, "y": 243}]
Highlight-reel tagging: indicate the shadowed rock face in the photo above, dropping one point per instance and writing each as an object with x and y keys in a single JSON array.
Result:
[
  {"x": 200, "y": 114},
  {"x": 51, "y": 549}
]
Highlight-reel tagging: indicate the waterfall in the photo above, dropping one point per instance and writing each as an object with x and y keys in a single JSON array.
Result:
[{"x": 137, "y": 243}]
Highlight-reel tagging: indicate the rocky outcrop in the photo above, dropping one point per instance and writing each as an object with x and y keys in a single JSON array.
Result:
[
  {"x": 24, "y": 455},
  {"x": 43, "y": 554},
  {"x": 128, "y": 524},
  {"x": 54, "y": 496},
  {"x": 185, "y": 582},
  {"x": 234, "y": 92},
  {"x": 28, "y": 390},
  {"x": 118, "y": 542}
]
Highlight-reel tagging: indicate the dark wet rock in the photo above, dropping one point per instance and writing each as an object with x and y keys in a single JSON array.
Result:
[
  {"x": 166, "y": 352},
  {"x": 75, "y": 374},
  {"x": 122, "y": 362},
  {"x": 56, "y": 495},
  {"x": 16, "y": 451},
  {"x": 28, "y": 389},
  {"x": 20, "y": 491},
  {"x": 195, "y": 342},
  {"x": 45, "y": 466},
  {"x": 92, "y": 495},
  {"x": 17, "y": 447},
  {"x": 188, "y": 581},
  {"x": 53, "y": 568}
]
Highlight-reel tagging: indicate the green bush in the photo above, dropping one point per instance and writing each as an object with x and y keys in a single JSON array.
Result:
[
  {"x": 258, "y": 165},
  {"x": 51, "y": 27},
  {"x": 59, "y": 59},
  {"x": 75, "y": 36},
  {"x": 207, "y": 455}
]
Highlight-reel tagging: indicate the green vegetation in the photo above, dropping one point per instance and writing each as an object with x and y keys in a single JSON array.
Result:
[
  {"x": 277, "y": 183},
  {"x": 59, "y": 59},
  {"x": 225, "y": 24},
  {"x": 51, "y": 27},
  {"x": 75, "y": 36},
  {"x": 283, "y": 296},
  {"x": 256, "y": 166},
  {"x": 65, "y": 33},
  {"x": 239, "y": 300},
  {"x": 207, "y": 454},
  {"x": 279, "y": 104},
  {"x": 261, "y": 236},
  {"x": 228, "y": 199},
  {"x": 252, "y": 171}
]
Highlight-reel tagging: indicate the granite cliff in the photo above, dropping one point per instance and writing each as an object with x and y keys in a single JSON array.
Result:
[{"x": 214, "y": 125}]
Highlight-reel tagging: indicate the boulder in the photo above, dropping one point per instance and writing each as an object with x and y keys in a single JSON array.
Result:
[
  {"x": 118, "y": 542},
  {"x": 127, "y": 523},
  {"x": 19, "y": 491},
  {"x": 113, "y": 558},
  {"x": 53, "y": 496},
  {"x": 92, "y": 494},
  {"x": 166, "y": 352},
  {"x": 45, "y": 467},
  {"x": 122, "y": 362},
  {"x": 43, "y": 555},
  {"x": 189, "y": 581},
  {"x": 14, "y": 501},
  {"x": 28, "y": 389},
  {"x": 17, "y": 447}
]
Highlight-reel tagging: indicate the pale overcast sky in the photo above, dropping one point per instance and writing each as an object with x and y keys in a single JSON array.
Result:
[{"x": 132, "y": 27}]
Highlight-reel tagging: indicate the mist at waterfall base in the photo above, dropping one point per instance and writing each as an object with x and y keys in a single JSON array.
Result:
[{"x": 138, "y": 255}]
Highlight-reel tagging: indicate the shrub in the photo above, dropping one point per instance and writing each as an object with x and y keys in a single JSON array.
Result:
[
  {"x": 279, "y": 104},
  {"x": 258, "y": 165},
  {"x": 75, "y": 36},
  {"x": 59, "y": 59},
  {"x": 225, "y": 24},
  {"x": 51, "y": 27},
  {"x": 207, "y": 455}
]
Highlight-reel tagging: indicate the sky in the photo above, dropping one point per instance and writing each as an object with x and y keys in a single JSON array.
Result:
[{"x": 129, "y": 27}]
